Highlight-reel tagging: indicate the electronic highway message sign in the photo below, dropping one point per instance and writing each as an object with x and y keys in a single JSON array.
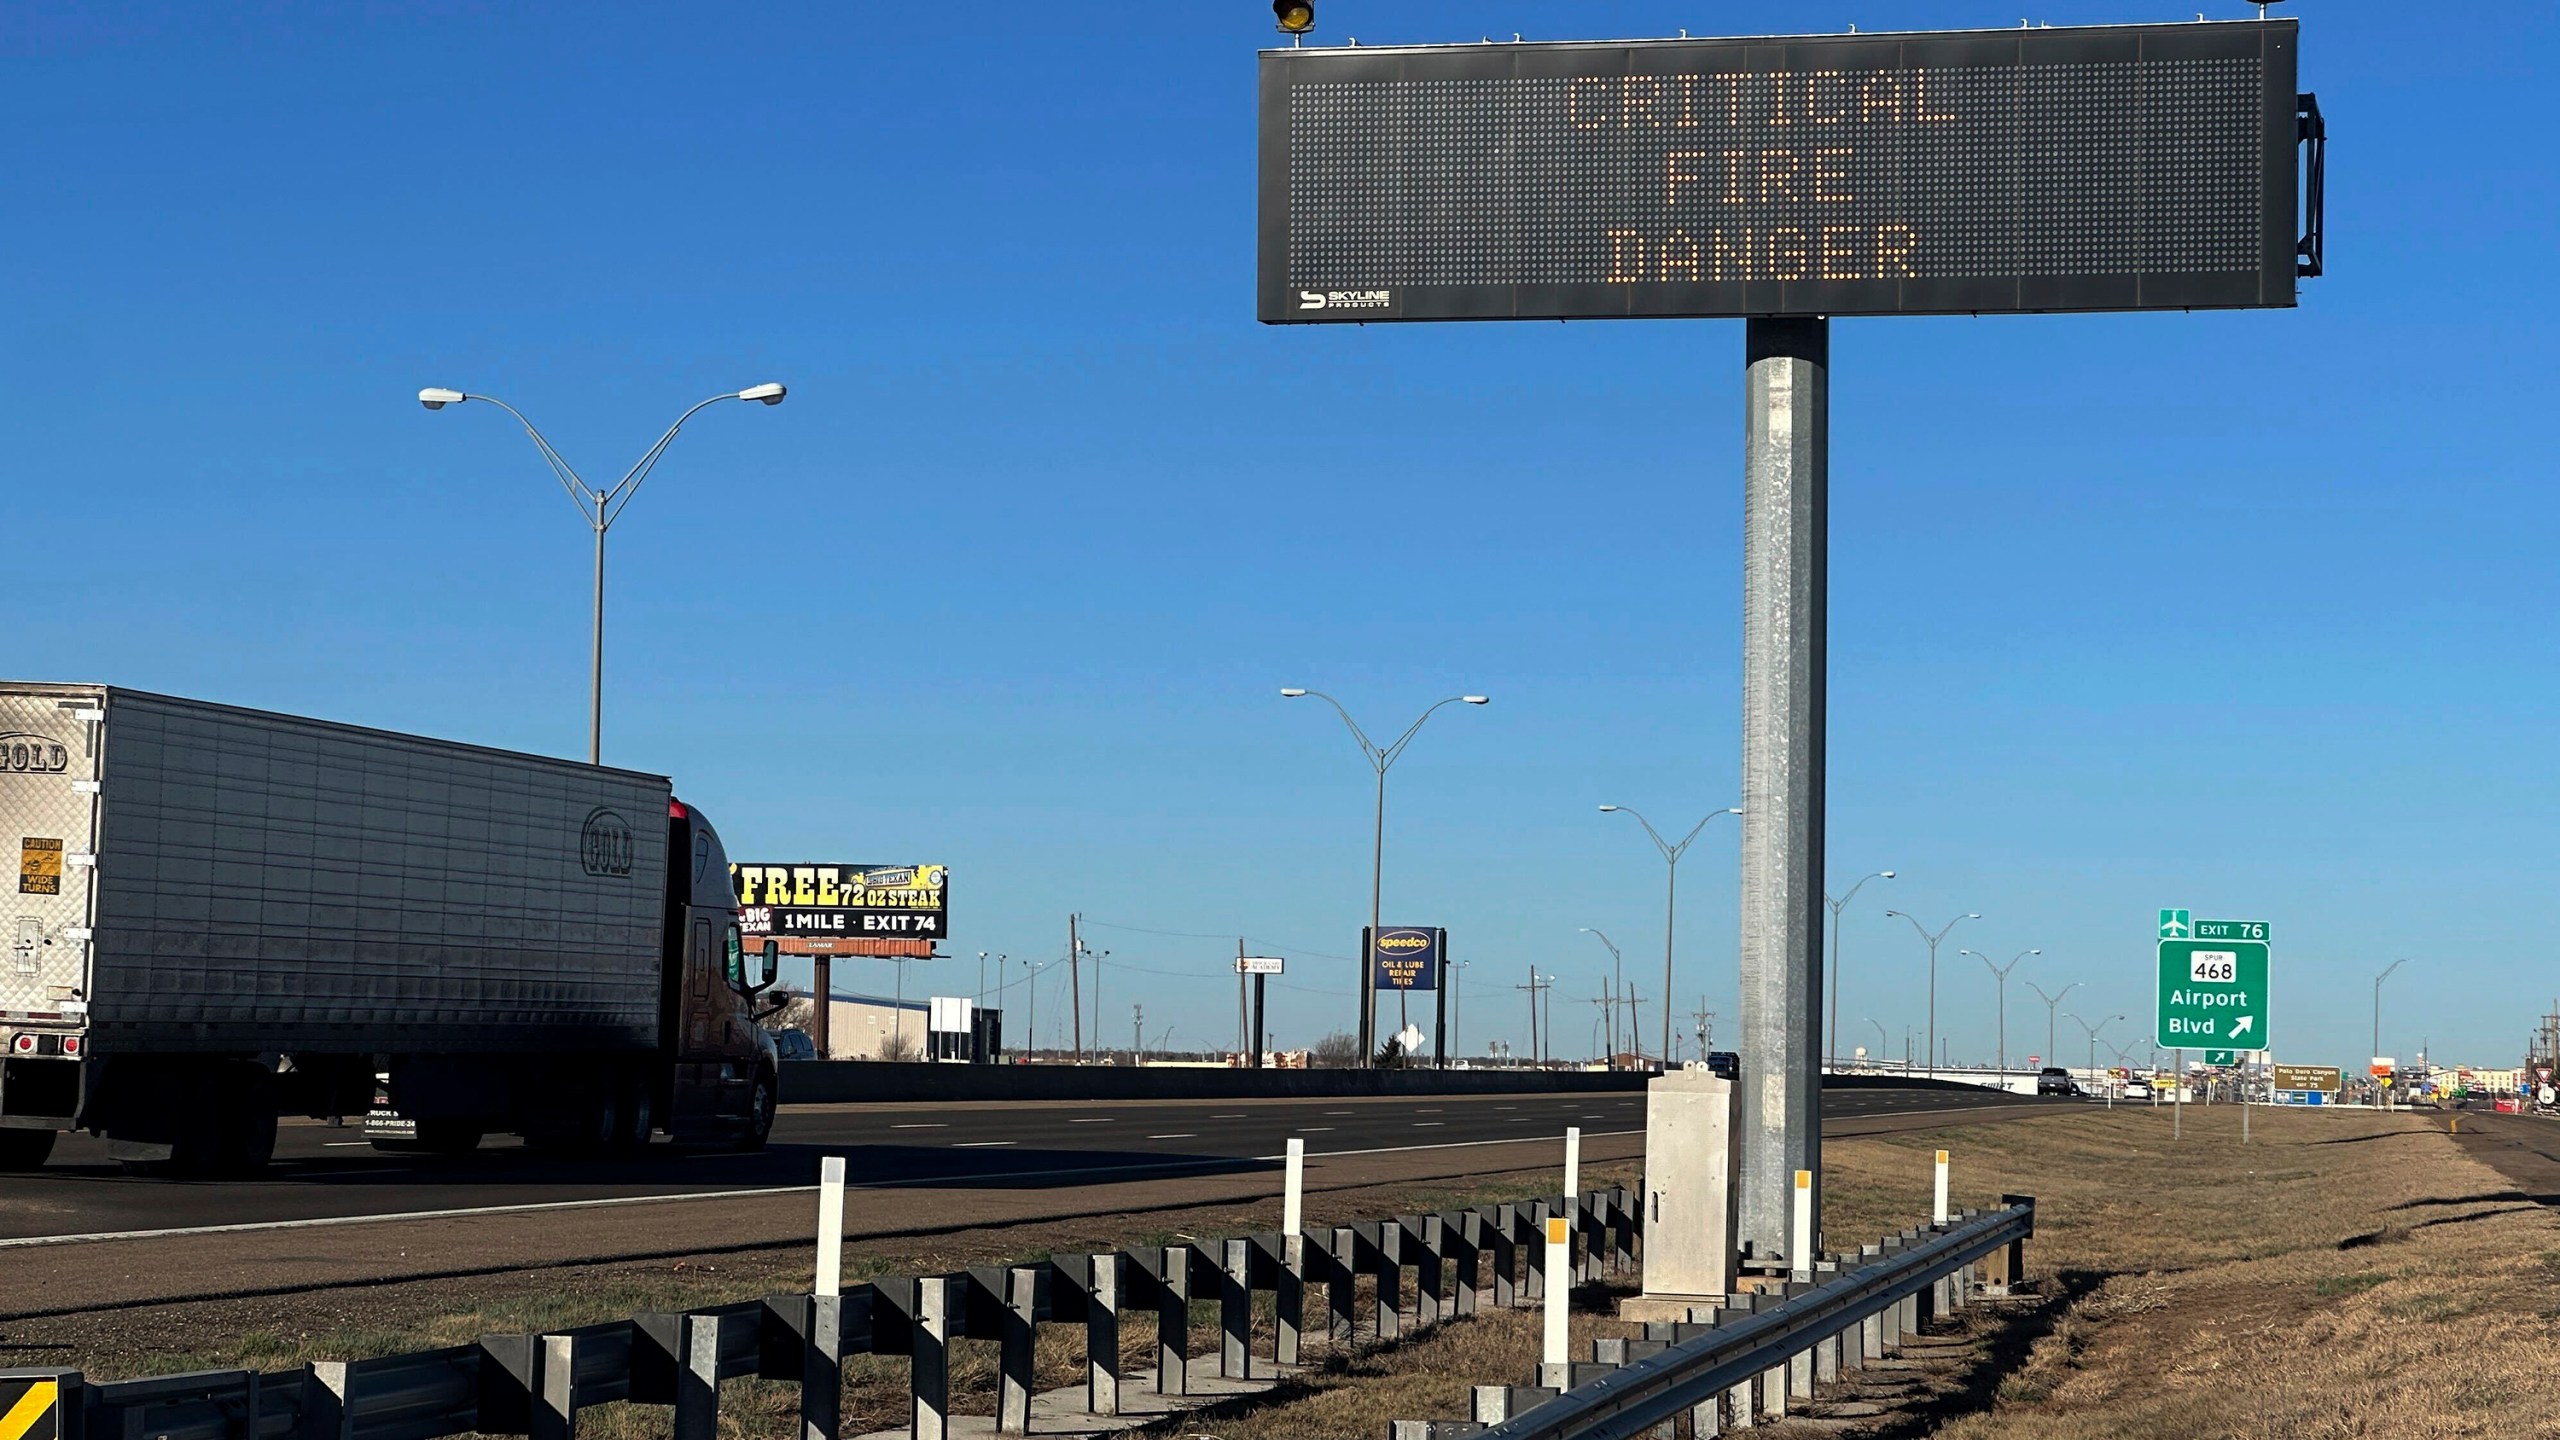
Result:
[{"x": 2132, "y": 167}]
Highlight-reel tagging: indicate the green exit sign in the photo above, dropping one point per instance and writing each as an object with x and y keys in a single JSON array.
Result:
[
  {"x": 2212, "y": 995},
  {"x": 2229, "y": 930}
]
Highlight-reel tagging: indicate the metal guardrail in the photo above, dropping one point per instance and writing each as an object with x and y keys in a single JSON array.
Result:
[
  {"x": 536, "y": 1385},
  {"x": 1754, "y": 1357}
]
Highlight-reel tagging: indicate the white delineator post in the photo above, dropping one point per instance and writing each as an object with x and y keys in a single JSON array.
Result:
[
  {"x": 830, "y": 1225},
  {"x": 1559, "y": 1290},
  {"x": 1800, "y": 1251},
  {"x": 1295, "y": 1187},
  {"x": 1938, "y": 1212},
  {"x": 1572, "y": 1162}
]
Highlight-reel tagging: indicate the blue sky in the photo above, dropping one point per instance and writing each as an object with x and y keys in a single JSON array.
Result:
[{"x": 2244, "y": 612}]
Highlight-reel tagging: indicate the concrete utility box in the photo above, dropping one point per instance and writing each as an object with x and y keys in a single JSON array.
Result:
[{"x": 1692, "y": 1153}]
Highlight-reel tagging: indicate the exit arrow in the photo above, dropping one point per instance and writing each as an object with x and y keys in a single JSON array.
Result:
[{"x": 2241, "y": 1026}]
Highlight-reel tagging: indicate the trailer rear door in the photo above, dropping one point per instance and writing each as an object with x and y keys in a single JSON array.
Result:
[{"x": 49, "y": 739}]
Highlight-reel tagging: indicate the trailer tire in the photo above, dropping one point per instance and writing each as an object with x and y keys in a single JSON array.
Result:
[
  {"x": 760, "y": 1102},
  {"x": 639, "y": 1119},
  {"x": 25, "y": 1149},
  {"x": 229, "y": 1129}
]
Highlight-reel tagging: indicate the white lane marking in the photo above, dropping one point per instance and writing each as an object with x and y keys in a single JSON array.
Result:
[
  {"x": 617, "y": 1201},
  {"x": 980, "y": 1144},
  {"x": 1426, "y": 1124},
  {"x": 919, "y": 1125},
  {"x": 1337, "y": 1112},
  {"x": 1314, "y": 1129},
  {"x": 343, "y": 1144},
  {"x": 1428, "y": 1110},
  {"x": 1227, "y": 1117},
  {"x": 1097, "y": 1120},
  {"x": 1177, "y": 1135},
  {"x": 1506, "y": 1107}
]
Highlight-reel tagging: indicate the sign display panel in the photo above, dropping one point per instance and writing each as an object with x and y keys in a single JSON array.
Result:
[
  {"x": 1407, "y": 957},
  {"x": 846, "y": 909},
  {"x": 2325, "y": 1078},
  {"x": 2128, "y": 167}
]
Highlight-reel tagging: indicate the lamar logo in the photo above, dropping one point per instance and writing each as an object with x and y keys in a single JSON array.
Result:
[
  {"x": 1343, "y": 299},
  {"x": 604, "y": 844},
  {"x": 24, "y": 754}
]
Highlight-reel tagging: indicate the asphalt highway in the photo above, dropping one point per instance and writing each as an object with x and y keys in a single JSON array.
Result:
[{"x": 324, "y": 1175}]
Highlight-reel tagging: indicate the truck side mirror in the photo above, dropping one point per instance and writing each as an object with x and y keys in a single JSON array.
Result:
[{"x": 772, "y": 961}]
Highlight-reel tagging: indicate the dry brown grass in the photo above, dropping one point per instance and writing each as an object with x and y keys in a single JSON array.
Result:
[{"x": 2346, "y": 1274}]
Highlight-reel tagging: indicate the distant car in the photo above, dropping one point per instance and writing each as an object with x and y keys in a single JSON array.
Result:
[
  {"x": 1725, "y": 1063},
  {"x": 794, "y": 1044},
  {"x": 2137, "y": 1087},
  {"x": 2054, "y": 1080}
]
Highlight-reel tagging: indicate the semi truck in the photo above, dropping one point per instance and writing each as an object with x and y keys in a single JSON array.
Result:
[{"x": 224, "y": 916}]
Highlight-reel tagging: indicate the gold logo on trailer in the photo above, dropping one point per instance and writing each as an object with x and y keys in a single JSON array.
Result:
[
  {"x": 25, "y": 754},
  {"x": 604, "y": 844}
]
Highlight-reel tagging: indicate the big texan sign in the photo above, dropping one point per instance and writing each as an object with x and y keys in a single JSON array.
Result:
[{"x": 858, "y": 906}]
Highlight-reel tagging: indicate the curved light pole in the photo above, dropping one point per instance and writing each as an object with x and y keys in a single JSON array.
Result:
[
  {"x": 1836, "y": 907},
  {"x": 1884, "y": 1042},
  {"x": 601, "y": 508},
  {"x": 1670, "y": 905},
  {"x": 1933, "y": 975},
  {"x": 2050, "y": 1003},
  {"x": 2002, "y": 971},
  {"x": 1380, "y": 757},
  {"x": 1618, "y": 968},
  {"x": 2093, "y": 1037}
]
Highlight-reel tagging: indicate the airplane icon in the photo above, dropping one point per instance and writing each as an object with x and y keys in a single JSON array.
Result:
[{"x": 2174, "y": 925}]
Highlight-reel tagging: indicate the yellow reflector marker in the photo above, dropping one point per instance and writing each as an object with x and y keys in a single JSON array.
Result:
[{"x": 1555, "y": 1236}]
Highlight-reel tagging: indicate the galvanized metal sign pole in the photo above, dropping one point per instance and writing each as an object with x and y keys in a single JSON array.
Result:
[{"x": 1786, "y": 507}]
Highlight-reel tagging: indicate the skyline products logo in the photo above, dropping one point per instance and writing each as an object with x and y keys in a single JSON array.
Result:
[
  {"x": 604, "y": 844},
  {"x": 1344, "y": 299},
  {"x": 24, "y": 754}
]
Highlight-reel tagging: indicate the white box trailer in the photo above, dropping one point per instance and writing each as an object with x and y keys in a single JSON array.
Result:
[{"x": 223, "y": 912}]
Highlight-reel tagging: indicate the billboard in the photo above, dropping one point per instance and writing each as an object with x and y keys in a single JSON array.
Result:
[
  {"x": 1407, "y": 957},
  {"x": 844, "y": 909},
  {"x": 2309, "y": 1077},
  {"x": 2120, "y": 167}
]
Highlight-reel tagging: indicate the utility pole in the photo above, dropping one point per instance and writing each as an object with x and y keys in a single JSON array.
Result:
[
  {"x": 1137, "y": 1035},
  {"x": 1537, "y": 1043},
  {"x": 1705, "y": 1020},
  {"x": 1245, "y": 1047},
  {"x": 1635, "y": 1016},
  {"x": 1075, "y": 982}
]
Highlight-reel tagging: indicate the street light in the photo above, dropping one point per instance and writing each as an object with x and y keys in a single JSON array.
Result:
[
  {"x": 601, "y": 508},
  {"x": 2377, "y": 1003},
  {"x": 1670, "y": 904},
  {"x": 1380, "y": 757},
  {"x": 2002, "y": 971},
  {"x": 1618, "y": 967},
  {"x": 1836, "y": 907},
  {"x": 1933, "y": 975},
  {"x": 2050, "y": 1002},
  {"x": 1884, "y": 1042},
  {"x": 2093, "y": 1037}
]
